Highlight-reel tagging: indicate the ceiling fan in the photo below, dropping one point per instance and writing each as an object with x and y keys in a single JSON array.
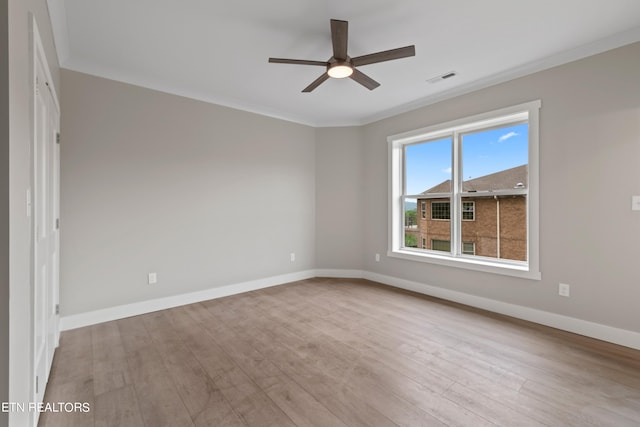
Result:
[{"x": 341, "y": 65}]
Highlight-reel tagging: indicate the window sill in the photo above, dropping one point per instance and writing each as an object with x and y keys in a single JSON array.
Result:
[{"x": 514, "y": 269}]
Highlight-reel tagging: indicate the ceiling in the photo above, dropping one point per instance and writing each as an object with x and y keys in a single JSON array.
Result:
[{"x": 217, "y": 50}]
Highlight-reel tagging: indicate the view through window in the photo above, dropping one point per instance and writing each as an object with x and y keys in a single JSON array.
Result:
[
  {"x": 463, "y": 190},
  {"x": 491, "y": 192}
]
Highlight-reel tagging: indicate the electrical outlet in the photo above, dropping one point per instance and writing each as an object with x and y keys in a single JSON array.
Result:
[
  {"x": 377, "y": 257},
  {"x": 152, "y": 278},
  {"x": 293, "y": 257},
  {"x": 564, "y": 290}
]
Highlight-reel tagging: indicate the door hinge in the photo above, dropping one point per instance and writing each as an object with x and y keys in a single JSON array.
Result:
[
  {"x": 57, "y": 308},
  {"x": 58, "y": 138},
  {"x": 57, "y": 223}
]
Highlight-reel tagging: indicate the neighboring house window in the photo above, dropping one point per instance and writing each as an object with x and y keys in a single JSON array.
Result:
[
  {"x": 468, "y": 211},
  {"x": 486, "y": 167},
  {"x": 424, "y": 243},
  {"x": 441, "y": 245},
  {"x": 468, "y": 248},
  {"x": 440, "y": 210}
]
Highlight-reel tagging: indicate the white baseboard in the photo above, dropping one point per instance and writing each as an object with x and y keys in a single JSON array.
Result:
[
  {"x": 143, "y": 307},
  {"x": 566, "y": 323},
  {"x": 558, "y": 321},
  {"x": 345, "y": 274}
]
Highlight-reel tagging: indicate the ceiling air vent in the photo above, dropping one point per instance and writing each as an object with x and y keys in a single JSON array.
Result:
[{"x": 441, "y": 77}]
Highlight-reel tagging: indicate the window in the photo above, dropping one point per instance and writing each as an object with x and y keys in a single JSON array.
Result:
[
  {"x": 478, "y": 176},
  {"x": 468, "y": 211},
  {"x": 424, "y": 243},
  {"x": 440, "y": 210},
  {"x": 441, "y": 245},
  {"x": 468, "y": 248}
]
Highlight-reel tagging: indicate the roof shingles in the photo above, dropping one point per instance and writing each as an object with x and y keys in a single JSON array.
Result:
[{"x": 503, "y": 180}]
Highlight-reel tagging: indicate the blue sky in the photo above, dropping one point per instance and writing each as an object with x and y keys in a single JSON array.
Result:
[{"x": 483, "y": 153}]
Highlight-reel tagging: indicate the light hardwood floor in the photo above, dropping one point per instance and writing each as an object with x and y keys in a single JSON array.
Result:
[{"x": 335, "y": 352}]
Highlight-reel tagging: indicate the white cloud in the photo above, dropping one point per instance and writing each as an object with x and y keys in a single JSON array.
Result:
[
  {"x": 447, "y": 170},
  {"x": 507, "y": 136}
]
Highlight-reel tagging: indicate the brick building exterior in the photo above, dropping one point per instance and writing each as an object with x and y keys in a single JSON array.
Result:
[{"x": 492, "y": 226}]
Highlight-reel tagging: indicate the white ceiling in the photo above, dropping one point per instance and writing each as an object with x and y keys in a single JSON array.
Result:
[{"x": 217, "y": 50}]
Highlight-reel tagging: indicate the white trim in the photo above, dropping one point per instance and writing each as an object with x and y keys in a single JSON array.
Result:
[
  {"x": 487, "y": 265},
  {"x": 494, "y": 118},
  {"x": 344, "y": 274},
  {"x": 570, "y": 324},
  {"x": 137, "y": 308}
]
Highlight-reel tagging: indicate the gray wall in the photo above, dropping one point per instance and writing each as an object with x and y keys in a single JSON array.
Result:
[
  {"x": 4, "y": 207},
  {"x": 589, "y": 154},
  {"x": 203, "y": 195},
  {"x": 339, "y": 198},
  {"x": 246, "y": 190},
  {"x": 19, "y": 182}
]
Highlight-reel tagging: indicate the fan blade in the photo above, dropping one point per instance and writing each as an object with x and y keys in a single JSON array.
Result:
[
  {"x": 297, "y": 61},
  {"x": 364, "y": 80},
  {"x": 339, "y": 36},
  {"x": 387, "y": 55},
  {"x": 317, "y": 82}
]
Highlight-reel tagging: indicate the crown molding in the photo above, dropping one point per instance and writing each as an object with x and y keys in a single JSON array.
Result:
[{"x": 617, "y": 40}]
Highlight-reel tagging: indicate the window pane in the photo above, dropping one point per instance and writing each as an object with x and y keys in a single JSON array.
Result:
[
  {"x": 428, "y": 172},
  {"x": 428, "y": 167},
  {"x": 437, "y": 224},
  {"x": 495, "y": 160},
  {"x": 411, "y": 232}
]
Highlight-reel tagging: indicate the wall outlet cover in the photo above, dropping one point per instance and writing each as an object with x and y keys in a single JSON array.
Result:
[{"x": 564, "y": 289}]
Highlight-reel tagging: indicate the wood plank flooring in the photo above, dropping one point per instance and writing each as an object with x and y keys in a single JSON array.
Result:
[{"x": 337, "y": 352}]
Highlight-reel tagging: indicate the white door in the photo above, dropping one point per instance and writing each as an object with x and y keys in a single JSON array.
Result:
[{"x": 45, "y": 224}]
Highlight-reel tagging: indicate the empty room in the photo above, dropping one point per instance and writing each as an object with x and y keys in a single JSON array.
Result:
[{"x": 320, "y": 213}]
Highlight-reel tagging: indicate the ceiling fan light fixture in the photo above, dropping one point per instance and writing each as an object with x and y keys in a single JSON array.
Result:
[
  {"x": 341, "y": 65},
  {"x": 340, "y": 71}
]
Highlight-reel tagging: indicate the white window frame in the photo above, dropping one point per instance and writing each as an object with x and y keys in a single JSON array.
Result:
[{"x": 530, "y": 269}]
